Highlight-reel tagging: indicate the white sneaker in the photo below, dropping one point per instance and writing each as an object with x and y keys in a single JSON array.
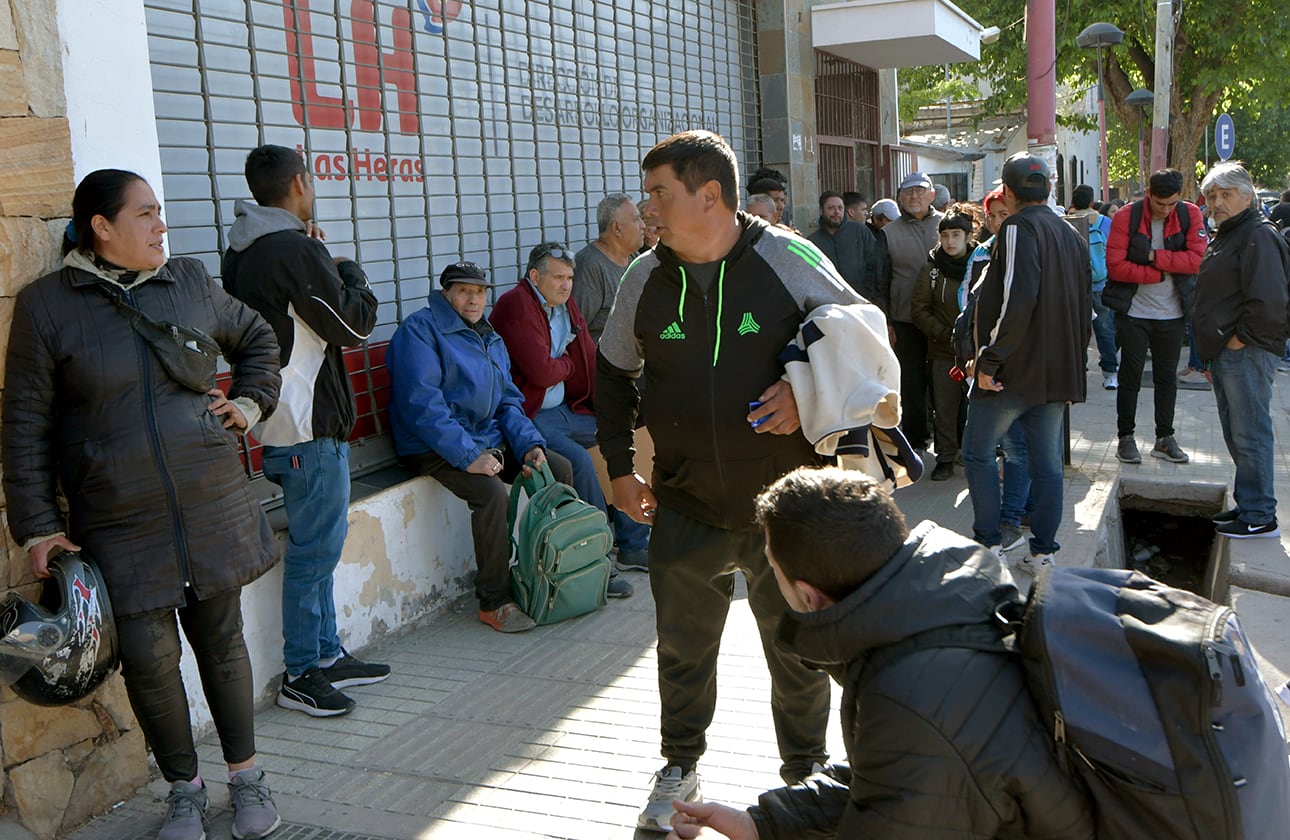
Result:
[
  {"x": 1032, "y": 563},
  {"x": 1111, "y": 381},
  {"x": 669, "y": 784}
]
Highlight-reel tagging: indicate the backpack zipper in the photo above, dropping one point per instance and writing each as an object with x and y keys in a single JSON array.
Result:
[{"x": 1210, "y": 650}]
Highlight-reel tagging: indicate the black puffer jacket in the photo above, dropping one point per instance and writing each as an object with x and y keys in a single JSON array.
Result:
[
  {"x": 1241, "y": 287},
  {"x": 154, "y": 487},
  {"x": 942, "y": 742}
]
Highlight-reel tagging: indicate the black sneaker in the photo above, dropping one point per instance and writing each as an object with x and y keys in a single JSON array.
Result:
[
  {"x": 943, "y": 471},
  {"x": 1127, "y": 450},
  {"x": 618, "y": 588},
  {"x": 1167, "y": 448},
  {"x": 1226, "y": 516},
  {"x": 349, "y": 671},
  {"x": 312, "y": 694},
  {"x": 1239, "y": 530}
]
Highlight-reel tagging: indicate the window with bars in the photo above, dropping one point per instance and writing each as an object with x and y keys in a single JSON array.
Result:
[{"x": 436, "y": 135}]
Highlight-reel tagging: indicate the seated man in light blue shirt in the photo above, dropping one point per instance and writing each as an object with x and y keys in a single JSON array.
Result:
[{"x": 553, "y": 361}]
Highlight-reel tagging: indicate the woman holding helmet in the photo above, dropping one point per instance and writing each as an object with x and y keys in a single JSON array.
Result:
[{"x": 109, "y": 398}]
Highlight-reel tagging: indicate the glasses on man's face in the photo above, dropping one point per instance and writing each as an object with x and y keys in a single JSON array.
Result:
[{"x": 916, "y": 190}]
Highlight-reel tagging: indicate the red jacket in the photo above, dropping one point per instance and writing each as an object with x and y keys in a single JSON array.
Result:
[
  {"x": 521, "y": 320},
  {"x": 1177, "y": 261}
]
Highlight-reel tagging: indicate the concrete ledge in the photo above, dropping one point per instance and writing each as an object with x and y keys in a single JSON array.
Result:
[{"x": 408, "y": 555}]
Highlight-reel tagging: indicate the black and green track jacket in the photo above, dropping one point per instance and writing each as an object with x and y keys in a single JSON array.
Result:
[{"x": 704, "y": 358}]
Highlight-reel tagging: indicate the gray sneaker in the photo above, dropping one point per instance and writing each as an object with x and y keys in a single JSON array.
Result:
[
  {"x": 254, "y": 814},
  {"x": 185, "y": 814},
  {"x": 669, "y": 783},
  {"x": 1167, "y": 448},
  {"x": 1010, "y": 536},
  {"x": 1127, "y": 450}
]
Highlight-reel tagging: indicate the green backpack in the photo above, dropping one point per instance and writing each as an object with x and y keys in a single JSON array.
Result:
[{"x": 561, "y": 564}]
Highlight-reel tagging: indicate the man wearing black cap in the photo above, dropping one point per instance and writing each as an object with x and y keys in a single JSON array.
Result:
[
  {"x": 317, "y": 305},
  {"x": 909, "y": 240},
  {"x": 1033, "y": 322},
  {"x": 454, "y": 418}
]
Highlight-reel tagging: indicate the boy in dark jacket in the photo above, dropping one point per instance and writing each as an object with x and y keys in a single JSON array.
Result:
[
  {"x": 941, "y": 741},
  {"x": 939, "y": 294}
]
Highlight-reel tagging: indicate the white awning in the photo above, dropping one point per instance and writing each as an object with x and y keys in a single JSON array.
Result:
[{"x": 884, "y": 34}]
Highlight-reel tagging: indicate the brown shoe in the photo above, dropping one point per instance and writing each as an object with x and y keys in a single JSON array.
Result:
[{"x": 508, "y": 618}]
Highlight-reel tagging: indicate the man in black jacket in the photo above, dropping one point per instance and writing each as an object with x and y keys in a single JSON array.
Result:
[
  {"x": 941, "y": 741},
  {"x": 703, "y": 319},
  {"x": 316, "y": 305},
  {"x": 1239, "y": 324},
  {"x": 849, "y": 245},
  {"x": 1033, "y": 323}
]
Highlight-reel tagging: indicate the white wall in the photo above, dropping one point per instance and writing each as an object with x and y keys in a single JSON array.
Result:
[{"x": 108, "y": 84}]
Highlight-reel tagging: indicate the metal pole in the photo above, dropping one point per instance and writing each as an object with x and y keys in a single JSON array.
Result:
[
  {"x": 1142, "y": 166},
  {"x": 1164, "y": 84},
  {"x": 1101, "y": 129},
  {"x": 1041, "y": 83}
]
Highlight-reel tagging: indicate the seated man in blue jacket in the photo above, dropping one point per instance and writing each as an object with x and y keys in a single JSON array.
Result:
[{"x": 456, "y": 415}]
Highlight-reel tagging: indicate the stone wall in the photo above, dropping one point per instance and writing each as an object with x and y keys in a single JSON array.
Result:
[{"x": 59, "y": 766}]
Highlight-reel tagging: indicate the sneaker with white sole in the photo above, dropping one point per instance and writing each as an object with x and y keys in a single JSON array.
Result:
[
  {"x": 349, "y": 671},
  {"x": 185, "y": 813},
  {"x": 1111, "y": 381},
  {"x": 1168, "y": 448},
  {"x": 669, "y": 783},
  {"x": 1032, "y": 563},
  {"x": 1190, "y": 379},
  {"x": 254, "y": 814},
  {"x": 1238, "y": 530},
  {"x": 1010, "y": 536},
  {"x": 1126, "y": 449},
  {"x": 312, "y": 694},
  {"x": 1229, "y": 515}
]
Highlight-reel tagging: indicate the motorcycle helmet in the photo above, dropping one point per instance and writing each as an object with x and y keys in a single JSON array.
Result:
[{"x": 59, "y": 650}]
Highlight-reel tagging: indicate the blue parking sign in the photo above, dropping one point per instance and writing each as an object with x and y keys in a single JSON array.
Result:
[{"x": 1224, "y": 137}]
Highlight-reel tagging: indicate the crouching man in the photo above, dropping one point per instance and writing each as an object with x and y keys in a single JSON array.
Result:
[{"x": 942, "y": 741}]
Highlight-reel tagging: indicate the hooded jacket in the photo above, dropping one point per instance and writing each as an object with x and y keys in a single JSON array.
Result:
[
  {"x": 315, "y": 307},
  {"x": 521, "y": 320},
  {"x": 942, "y": 742},
  {"x": 1034, "y": 311},
  {"x": 704, "y": 358},
  {"x": 155, "y": 490},
  {"x": 936, "y": 298},
  {"x": 1129, "y": 265},
  {"x": 1241, "y": 287},
  {"x": 451, "y": 390}
]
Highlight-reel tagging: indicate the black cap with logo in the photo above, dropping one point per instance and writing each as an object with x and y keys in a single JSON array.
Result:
[{"x": 464, "y": 272}]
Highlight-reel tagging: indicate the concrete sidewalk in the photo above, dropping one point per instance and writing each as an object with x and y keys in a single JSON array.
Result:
[{"x": 554, "y": 733}]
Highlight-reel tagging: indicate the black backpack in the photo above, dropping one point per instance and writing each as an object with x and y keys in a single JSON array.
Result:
[{"x": 1153, "y": 699}]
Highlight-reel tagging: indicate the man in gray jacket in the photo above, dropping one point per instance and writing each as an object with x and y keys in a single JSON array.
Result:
[
  {"x": 849, "y": 245},
  {"x": 909, "y": 240},
  {"x": 941, "y": 742}
]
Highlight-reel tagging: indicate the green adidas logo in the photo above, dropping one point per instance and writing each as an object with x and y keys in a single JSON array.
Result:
[
  {"x": 749, "y": 325},
  {"x": 673, "y": 331}
]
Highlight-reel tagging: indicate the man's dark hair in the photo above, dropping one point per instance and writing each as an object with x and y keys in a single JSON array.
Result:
[
  {"x": 1082, "y": 197},
  {"x": 829, "y": 527},
  {"x": 1165, "y": 183},
  {"x": 698, "y": 157},
  {"x": 827, "y": 194},
  {"x": 270, "y": 171},
  {"x": 765, "y": 180},
  {"x": 851, "y": 199},
  {"x": 1285, "y": 197}
]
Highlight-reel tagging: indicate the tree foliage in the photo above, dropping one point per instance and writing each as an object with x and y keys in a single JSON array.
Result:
[{"x": 1234, "y": 49}]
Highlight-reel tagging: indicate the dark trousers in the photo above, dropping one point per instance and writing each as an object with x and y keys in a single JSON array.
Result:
[
  {"x": 949, "y": 398},
  {"x": 150, "y": 667},
  {"x": 1164, "y": 338},
  {"x": 488, "y": 498},
  {"x": 691, "y": 573},
  {"x": 911, "y": 352}
]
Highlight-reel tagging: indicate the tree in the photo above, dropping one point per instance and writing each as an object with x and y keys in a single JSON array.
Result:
[{"x": 1218, "y": 47}]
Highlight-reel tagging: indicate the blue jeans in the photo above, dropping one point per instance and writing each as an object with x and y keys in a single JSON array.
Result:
[
  {"x": 1016, "y": 476},
  {"x": 314, "y": 477},
  {"x": 572, "y": 434},
  {"x": 988, "y": 421},
  {"x": 1104, "y": 332},
  {"x": 1243, "y": 388}
]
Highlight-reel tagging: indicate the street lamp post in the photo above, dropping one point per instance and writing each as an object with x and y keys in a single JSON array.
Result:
[
  {"x": 1096, "y": 36},
  {"x": 1141, "y": 99}
]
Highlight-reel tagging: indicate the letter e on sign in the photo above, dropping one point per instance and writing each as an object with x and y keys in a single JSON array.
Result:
[{"x": 1224, "y": 137}]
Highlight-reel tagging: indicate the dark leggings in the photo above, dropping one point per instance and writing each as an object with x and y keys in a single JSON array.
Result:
[{"x": 150, "y": 666}]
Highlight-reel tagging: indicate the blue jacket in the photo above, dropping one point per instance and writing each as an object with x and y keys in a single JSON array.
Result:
[{"x": 451, "y": 390}]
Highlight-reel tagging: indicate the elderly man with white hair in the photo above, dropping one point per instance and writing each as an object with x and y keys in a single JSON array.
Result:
[{"x": 1239, "y": 326}]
